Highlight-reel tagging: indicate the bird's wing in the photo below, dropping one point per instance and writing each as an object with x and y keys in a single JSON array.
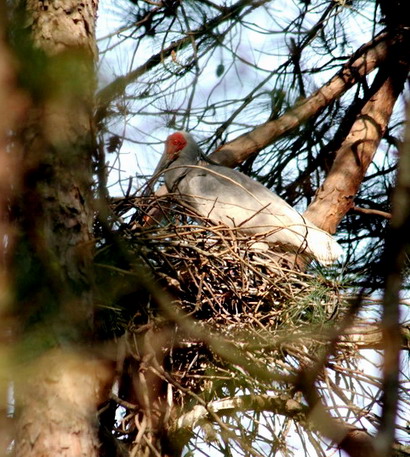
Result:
[{"x": 228, "y": 196}]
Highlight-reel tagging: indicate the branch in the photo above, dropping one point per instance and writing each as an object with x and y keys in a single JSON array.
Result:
[
  {"x": 395, "y": 259},
  {"x": 376, "y": 212},
  {"x": 281, "y": 404},
  {"x": 370, "y": 336},
  {"x": 356, "y": 442},
  {"x": 335, "y": 197},
  {"x": 116, "y": 88},
  {"x": 363, "y": 61}
]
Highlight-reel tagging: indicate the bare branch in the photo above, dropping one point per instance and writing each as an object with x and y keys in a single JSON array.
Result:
[
  {"x": 281, "y": 404},
  {"x": 376, "y": 212},
  {"x": 370, "y": 336},
  {"x": 365, "y": 60},
  {"x": 117, "y": 87}
]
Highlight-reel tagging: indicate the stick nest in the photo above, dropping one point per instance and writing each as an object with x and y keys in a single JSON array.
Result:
[
  {"x": 232, "y": 286},
  {"x": 227, "y": 280}
]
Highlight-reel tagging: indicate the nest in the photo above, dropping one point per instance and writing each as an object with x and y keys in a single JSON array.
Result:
[
  {"x": 233, "y": 283},
  {"x": 236, "y": 288}
]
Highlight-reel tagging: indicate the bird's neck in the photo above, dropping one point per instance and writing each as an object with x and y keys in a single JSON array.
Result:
[{"x": 177, "y": 171}]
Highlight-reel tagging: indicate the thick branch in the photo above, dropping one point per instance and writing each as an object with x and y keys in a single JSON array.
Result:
[
  {"x": 281, "y": 404},
  {"x": 370, "y": 336},
  {"x": 335, "y": 197},
  {"x": 364, "y": 60},
  {"x": 355, "y": 441},
  {"x": 371, "y": 211}
]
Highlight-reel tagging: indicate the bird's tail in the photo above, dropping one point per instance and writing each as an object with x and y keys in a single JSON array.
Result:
[{"x": 322, "y": 246}]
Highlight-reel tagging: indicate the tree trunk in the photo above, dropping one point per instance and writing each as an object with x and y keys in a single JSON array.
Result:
[
  {"x": 12, "y": 106},
  {"x": 55, "y": 293},
  {"x": 58, "y": 147},
  {"x": 58, "y": 416}
]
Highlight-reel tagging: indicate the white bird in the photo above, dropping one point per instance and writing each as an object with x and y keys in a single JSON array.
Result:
[{"x": 227, "y": 196}]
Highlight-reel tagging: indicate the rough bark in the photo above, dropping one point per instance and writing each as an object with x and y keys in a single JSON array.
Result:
[
  {"x": 57, "y": 209},
  {"x": 59, "y": 405},
  {"x": 12, "y": 107},
  {"x": 55, "y": 214}
]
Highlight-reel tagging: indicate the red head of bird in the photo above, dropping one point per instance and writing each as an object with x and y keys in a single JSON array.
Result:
[
  {"x": 180, "y": 150},
  {"x": 174, "y": 144}
]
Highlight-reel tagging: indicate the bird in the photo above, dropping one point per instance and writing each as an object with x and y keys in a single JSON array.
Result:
[{"x": 227, "y": 196}]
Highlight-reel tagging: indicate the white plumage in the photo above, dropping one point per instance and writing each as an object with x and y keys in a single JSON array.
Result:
[{"x": 227, "y": 196}]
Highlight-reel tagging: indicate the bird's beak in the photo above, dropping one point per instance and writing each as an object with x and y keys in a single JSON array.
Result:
[{"x": 163, "y": 164}]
